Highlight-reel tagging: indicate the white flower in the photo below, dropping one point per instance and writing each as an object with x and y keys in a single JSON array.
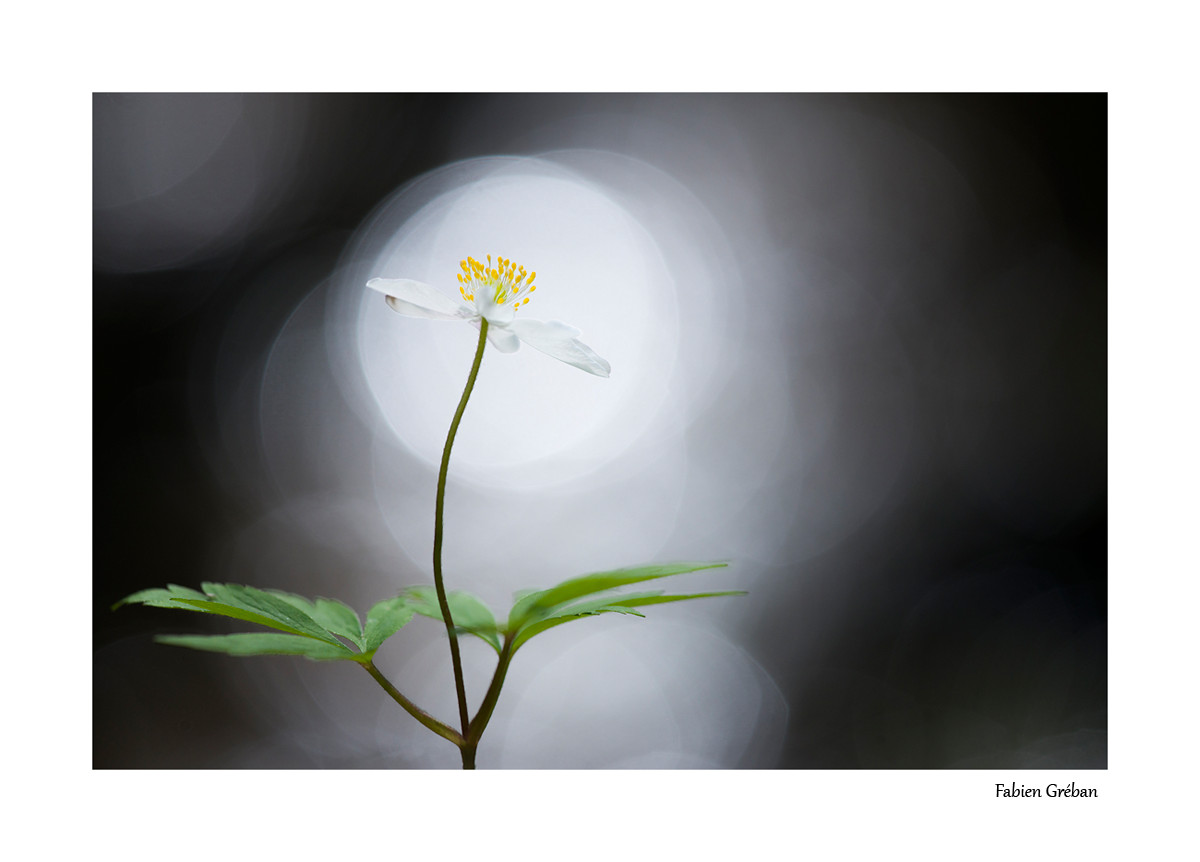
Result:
[{"x": 493, "y": 294}]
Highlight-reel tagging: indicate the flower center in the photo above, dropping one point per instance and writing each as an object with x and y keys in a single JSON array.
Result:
[{"x": 504, "y": 283}]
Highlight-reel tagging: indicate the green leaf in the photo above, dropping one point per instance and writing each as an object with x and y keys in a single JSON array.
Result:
[
  {"x": 536, "y": 628},
  {"x": 538, "y": 620},
  {"x": 263, "y": 643},
  {"x": 340, "y": 619},
  {"x": 636, "y": 602},
  {"x": 331, "y": 614},
  {"x": 260, "y": 601},
  {"x": 469, "y": 613},
  {"x": 257, "y": 606},
  {"x": 579, "y": 610},
  {"x": 539, "y": 605},
  {"x": 321, "y": 621},
  {"x": 383, "y": 620},
  {"x": 239, "y": 602},
  {"x": 160, "y": 598},
  {"x": 594, "y": 605}
]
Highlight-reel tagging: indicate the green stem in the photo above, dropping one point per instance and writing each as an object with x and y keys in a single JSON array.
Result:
[
  {"x": 439, "y": 509},
  {"x": 480, "y": 722},
  {"x": 412, "y": 709}
]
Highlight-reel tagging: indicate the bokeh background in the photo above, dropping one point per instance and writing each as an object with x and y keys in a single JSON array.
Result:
[{"x": 858, "y": 349}]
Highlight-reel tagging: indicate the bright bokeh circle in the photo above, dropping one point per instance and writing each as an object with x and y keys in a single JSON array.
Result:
[{"x": 533, "y": 421}]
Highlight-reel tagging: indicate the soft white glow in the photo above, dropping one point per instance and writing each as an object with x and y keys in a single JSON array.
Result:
[{"x": 532, "y": 421}]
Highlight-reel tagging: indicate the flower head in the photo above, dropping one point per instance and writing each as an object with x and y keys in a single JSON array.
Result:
[{"x": 495, "y": 293}]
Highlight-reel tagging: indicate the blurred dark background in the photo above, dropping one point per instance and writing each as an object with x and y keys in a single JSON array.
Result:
[{"x": 934, "y": 595}]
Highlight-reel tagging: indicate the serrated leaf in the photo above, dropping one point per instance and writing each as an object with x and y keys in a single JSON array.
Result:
[
  {"x": 638, "y": 602},
  {"x": 541, "y": 604},
  {"x": 335, "y": 616},
  {"x": 236, "y": 600},
  {"x": 520, "y": 594},
  {"x": 239, "y": 602},
  {"x": 263, "y": 643},
  {"x": 339, "y": 618},
  {"x": 536, "y": 628},
  {"x": 221, "y": 609},
  {"x": 160, "y": 598},
  {"x": 383, "y": 620},
  {"x": 612, "y": 603},
  {"x": 469, "y": 613}
]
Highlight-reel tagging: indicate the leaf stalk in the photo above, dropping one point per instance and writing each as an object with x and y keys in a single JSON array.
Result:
[{"x": 441, "y": 729}]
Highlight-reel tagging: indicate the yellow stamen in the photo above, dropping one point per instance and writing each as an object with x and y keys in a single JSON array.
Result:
[{"x": 505, "y": 282}]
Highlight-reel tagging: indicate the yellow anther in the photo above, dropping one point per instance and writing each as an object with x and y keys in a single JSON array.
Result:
[{"x": 505, "y": 281}]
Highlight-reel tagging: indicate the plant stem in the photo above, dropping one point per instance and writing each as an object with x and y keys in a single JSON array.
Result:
[
  {"x": 412, "y": 709},
  {"x": 480, "y": 722},
  {"x": 439, "y": 509}
]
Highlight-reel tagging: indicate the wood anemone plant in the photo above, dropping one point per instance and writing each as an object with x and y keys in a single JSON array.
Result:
[{"x": 328, "y": 630}]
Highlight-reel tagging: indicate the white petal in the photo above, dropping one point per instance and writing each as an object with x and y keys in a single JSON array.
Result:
[
  {"x": 417, "y": 299},
  {"x": 486, "y": 306},
  {"x": 501, "y": 338},
  {"x": 556, "y": 339}
]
